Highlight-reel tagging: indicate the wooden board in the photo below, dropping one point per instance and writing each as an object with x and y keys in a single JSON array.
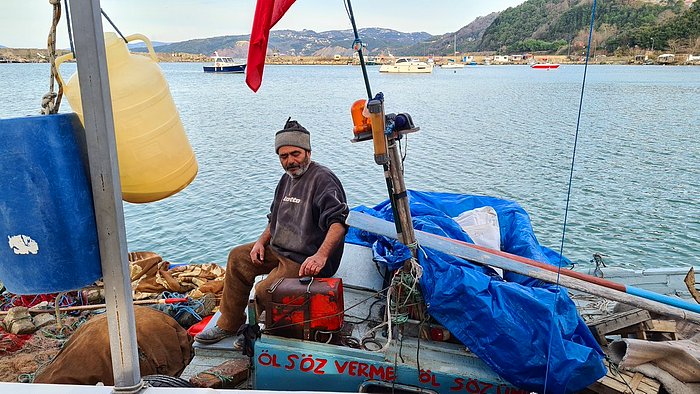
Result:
[
  {"x": 624, "y": 382},
  {"x": 615, "y": 322},
  {"x": 225, "y": 376},
  {"x": 650, "y": 329}
]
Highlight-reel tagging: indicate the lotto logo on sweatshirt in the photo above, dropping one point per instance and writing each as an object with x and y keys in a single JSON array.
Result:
[{"x": 291, "y": 199}]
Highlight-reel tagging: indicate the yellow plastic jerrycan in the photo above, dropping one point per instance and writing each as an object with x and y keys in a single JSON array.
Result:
[{"x": 155, "y": 157}]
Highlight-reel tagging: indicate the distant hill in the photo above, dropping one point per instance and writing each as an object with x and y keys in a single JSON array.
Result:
[
  {"x": 142, "y": 45},
  {"x": 302, "y": 43},
  {"x": 378, "y": 40},
  {"x": 533, "y": 26},
  {"x": 207, "y": 46},
  {"x": 2, "y": 46},
  {"x": 547, "y": 25},
  {"x": 468, "y": 39}
]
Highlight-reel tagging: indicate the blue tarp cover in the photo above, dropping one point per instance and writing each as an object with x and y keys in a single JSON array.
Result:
[{"x": 507, "y": 322}]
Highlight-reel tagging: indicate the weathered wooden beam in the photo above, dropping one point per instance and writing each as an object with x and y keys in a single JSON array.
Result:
[{"x": 690, "y": 283}]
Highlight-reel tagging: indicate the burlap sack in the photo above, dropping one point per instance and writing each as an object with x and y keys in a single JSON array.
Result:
[{"x": 164, "y": 348}]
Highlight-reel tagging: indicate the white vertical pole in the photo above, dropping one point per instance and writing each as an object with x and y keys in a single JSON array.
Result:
[{"x": 106, "y": 191}]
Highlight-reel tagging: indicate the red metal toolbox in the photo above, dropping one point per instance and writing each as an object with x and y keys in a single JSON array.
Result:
[{"x": 302, "y": 307}]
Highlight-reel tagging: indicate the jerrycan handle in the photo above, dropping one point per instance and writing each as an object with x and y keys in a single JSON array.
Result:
[
  {"x": 146, "y": 41},
  {"x": 59, "y": 61}
]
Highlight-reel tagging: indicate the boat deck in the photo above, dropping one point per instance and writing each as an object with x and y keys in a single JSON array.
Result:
[
  {"x": 366, "y": 308},
  {"x": 361, "y": 284},
  {"x": 209, "y": 356}
]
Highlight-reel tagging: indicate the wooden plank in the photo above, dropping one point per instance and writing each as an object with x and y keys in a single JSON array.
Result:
[
  {"x": 690, "y": 283},
  {"x": 615, "y": 322},
  {"x": 636, "y": 380},
  {"x": 608, "y": 384},
  {"x": 646, "y": 329},
  {"x": 662, "y": 326},
  {"x": 225, "y": 376},
  {"x": 617, "y": 381}
]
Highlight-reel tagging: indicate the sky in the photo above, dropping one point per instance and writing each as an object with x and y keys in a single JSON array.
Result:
[{"x": 26, "y": 23}]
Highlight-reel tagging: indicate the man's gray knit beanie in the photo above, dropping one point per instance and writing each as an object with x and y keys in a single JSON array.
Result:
[{"x": 293, "y": 134}]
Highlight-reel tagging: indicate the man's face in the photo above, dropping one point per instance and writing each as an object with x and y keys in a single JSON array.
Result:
[{"x": 294, "y": 160}]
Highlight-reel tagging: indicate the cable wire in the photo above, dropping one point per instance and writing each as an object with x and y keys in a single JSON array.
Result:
[
  {"x": 68, "y": 24},
  {"x": 113, "y": 25},
  {"x": 568, "y": 193}
]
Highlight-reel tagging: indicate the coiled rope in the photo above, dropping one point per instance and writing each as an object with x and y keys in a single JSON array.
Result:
[{"x": 51, "y": 101}]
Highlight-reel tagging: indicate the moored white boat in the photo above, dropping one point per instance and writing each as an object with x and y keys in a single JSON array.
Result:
[
  {"x": 407, "y": 65},
  {"x": 224, "y": 64},
  {"x": 451, "y": 64}
]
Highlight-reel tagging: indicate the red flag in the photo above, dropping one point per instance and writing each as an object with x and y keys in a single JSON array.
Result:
[{"x": 267, "y": 14}]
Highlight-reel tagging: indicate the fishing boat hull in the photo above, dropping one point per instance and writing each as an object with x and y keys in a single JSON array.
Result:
[
  {"x": 294, "y": 365},
  {"x": 235, "y": 69},
  {"x": 356, "y": 362},
  {"x": 545, "y": 66},
  {"x": 452, "y": 66}
]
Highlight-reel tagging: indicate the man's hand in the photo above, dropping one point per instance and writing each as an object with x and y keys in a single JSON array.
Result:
[
  {"x": 257, "y": 254},
  {"x": 312, "y": 265}
]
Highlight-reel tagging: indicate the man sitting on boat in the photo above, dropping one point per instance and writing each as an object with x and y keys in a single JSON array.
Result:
[{"x": 304, "y": 235}]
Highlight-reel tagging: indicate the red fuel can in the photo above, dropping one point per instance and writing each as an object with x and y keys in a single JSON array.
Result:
[{"x": 301, "y": 307}]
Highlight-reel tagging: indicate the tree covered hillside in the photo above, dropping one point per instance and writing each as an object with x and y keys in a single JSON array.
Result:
[
  {"x": 547, "y": 25},
  {"x": 675, "y": 34}
]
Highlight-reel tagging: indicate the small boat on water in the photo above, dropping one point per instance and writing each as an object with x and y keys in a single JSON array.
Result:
[
  {"x": 372, "y": 61},
  {"x": 545, "y": 66},
  {"x": 451, "y": 64},
  {"x": 224, "y": 64},
  {"x": 407, "y": 65}
]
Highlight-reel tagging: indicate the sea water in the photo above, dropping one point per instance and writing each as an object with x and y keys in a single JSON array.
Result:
[{"x": 505, "y": 131}]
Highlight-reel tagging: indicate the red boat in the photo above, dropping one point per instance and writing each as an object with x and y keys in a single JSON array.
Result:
[{"x": 545, "y": 66}]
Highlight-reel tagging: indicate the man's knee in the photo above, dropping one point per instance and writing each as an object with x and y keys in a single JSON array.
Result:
[
  {"x": 262, "y": 298},
  {"x": 261, "y": 291},
  {"x": 237, "y": 256}
]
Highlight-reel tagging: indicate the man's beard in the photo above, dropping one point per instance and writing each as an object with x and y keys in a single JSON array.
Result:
[{"x": 296, "y": 171}]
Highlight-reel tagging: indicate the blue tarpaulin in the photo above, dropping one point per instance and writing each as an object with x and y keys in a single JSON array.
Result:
[{"x": 506, "y": 321}]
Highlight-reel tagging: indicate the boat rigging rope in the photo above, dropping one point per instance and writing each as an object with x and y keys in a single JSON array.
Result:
[
  {"x": 404, "y": 152},
  {"x": 113, "y": 25},
  {"x": 401, "y": 295},
  {"x": 568, "y": 193},
  {"x": 357, "y": 45},
  {"x": 70, "y": 32},
  {"x": 51, "y": 101}
]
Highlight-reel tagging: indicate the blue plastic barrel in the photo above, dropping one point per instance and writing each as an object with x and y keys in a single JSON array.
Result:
[{"x": 48, "y": 236}]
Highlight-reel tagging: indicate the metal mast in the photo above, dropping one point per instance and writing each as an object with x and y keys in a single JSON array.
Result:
[{"x": 106, "y": 192}]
